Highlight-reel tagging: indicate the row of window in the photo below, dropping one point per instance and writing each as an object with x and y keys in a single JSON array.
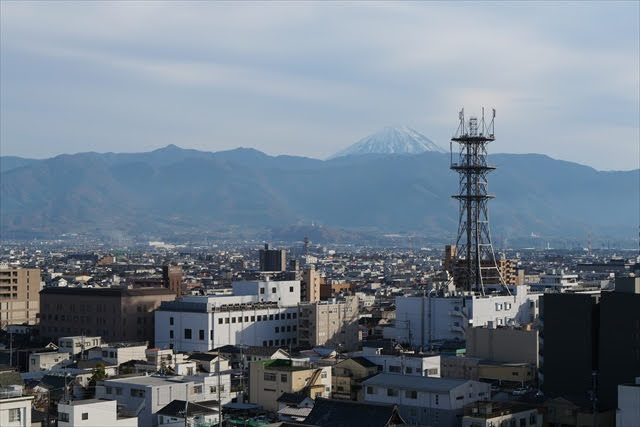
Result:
[
  {"x": 135, "y": 392},
  {"x": 271, "y": 343}
]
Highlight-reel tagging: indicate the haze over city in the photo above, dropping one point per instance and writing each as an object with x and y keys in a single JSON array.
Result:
[{"x": 310, "y": 79}]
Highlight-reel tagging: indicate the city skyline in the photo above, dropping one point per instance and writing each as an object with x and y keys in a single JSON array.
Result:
[{"x": 310, "y": 79}]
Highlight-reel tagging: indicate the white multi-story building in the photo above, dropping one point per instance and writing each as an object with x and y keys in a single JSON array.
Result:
[
  {"x": 15, "y": 409},
  {"x": 118, "y": 353},
  {"x": 91, "y": 413},
  {"x": 425, "y": 401},
  {"x": 425, "y": 319},
  {"x": 409, "y": 364},
  {"x": 48, "y": 360},
  {"x": 628, "y": 414},
  {"x": 77, "y": 344},
  {"x": 260, "y": 313},
  {"x": 143, "y": 396}
]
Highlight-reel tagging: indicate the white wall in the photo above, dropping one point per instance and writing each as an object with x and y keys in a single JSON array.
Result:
[
  {"x": 98, "y": 413},
  {"x": 23, "y": 404}
]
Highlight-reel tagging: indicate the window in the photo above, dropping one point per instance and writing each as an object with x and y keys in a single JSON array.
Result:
[
  {"x": 277, "y": 342},
  {"x": 277, "y": 329},
  {"x": 289, "y": 328},
  {"x": 533, "y": 419},
  {"x": 269, "y": 376},
  {"x": 171, "y": 334},
  {"x": 437, "y": 399},
  {"x": 62, "y": 416},
  {"x": 290, "y": 288},
  {"x": 220, "y": 321},
  {"x": 171, "y": 320},
  {"x": 109, "y": 390},
  {"x": 523, "y": 422},
  {"x": 294, "y": 327},
  {"x": 270, "y": 343},
  {"x": 136, "y": 392},
  {"x": 85, "y": 415},
  {"x": 409, "y": 370},
  {"x": 262, "y": 291},
  {"x": 283, "y": 378},
  {"x": 288, "y": 315},
  {"x": 211, "y": 334},
  {"x": 226, "y": 320},
  {"x": 201, "y": 335},
  {"x": 187, "y": 334},
  {"x": 246, "y": 318},
  {"x": 273, "y": 290},
  {"x": 392, "y": 392},
  {"x": 295, "y": 315},
  {"x": 264, "y": 343},
  {"x": 411, "y": 394},
  {"x": 118, "y": 391},
  {"x": 197, "y": 389},
  {"x": 15, "y": 413},
  {"x": 324, "y": 374},
  {"x": 393, "y": 368},
  {"x": 233, "y": 320},
  {"x": 278, "y": 316},
  {"x": 253, "y": 318},
  {"x": 433, "y": 371}
]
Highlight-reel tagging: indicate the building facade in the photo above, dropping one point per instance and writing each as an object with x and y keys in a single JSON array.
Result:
[
  {"x": 311, "y": 284},
  {"x": 115, "y": 314},
  {"x": 329, "y": 323},
  {"x": 19, "y": 300},
  {"x": 91, "y": 413},
  {"x": 503, "y": 344},
  {"x": 274, "y": 260}
]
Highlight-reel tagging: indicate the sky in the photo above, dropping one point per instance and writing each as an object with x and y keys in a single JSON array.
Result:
[{"x": 305, "y": 78}]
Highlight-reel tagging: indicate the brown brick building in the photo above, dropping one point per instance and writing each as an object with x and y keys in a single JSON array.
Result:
[{"x": 115, "y": 314}]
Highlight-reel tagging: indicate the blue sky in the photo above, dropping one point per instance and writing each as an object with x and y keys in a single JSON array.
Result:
[{"x": 309, "y": 78}]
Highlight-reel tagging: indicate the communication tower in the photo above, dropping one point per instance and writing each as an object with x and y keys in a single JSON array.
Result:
[{"x": 475, "y": 262}]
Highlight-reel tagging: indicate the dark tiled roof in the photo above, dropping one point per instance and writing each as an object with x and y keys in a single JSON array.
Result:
[
  {"x": 176, "y": 409},
  {"x": 364, "y": 362},
  {"x": 205, "y": 357},
  {"x": 295, "y": 398},
  {"x": 347, "y": 413}
]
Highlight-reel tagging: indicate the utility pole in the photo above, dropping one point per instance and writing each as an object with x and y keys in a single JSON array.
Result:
[{"x": 219, "y": 399}]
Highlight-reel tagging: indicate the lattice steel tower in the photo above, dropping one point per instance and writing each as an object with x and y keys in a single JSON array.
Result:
[{"x": 474, "y": 263}]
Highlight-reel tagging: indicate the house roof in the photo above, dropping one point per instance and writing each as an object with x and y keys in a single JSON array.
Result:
[
  {"x": 294, "y": 398},
  {"x": 347, "y": 413},
  {"x": 414, "y": 382},
  {"x": 176, "y": 409},
  {"x": 363, "y": 362},
  {"x": 261, "y": 351}
]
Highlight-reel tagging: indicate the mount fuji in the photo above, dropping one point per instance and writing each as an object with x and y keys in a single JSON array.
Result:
[{"x": 391, "y": 140}]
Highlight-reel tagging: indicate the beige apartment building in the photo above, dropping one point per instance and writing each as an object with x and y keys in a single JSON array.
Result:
[
  {"x": 326, "y": 323},
  {"x": 310, "y": 285},
  {"x": 19, "y": 298},
  {"x": 269, "y": 379}
]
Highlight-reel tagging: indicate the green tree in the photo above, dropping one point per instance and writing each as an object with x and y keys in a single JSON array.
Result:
[{"x": 99, "y": 374}]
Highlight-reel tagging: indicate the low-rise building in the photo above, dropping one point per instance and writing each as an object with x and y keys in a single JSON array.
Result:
[
  {"x": 47, "y": 361},
  {"x": 269, "y": 379},
  {"x": 119, "y": 353},
  {"x": 77, "y": 344},
  {"x": 15, "y": 409},
  {"x": 198, "y": 414},
  {"x": 403, "y": 363},
  {"x": 495, "y": 414},
  {"x": 425, "y": 400},
  {"x": 347, "y": 376},
  {"x": 91, "y": 413}
]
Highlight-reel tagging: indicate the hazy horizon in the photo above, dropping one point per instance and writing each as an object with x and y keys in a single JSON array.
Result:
[{"x": 309, "y": 79}]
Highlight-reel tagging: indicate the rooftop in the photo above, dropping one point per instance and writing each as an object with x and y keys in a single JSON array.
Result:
[
  {"x": 153, "y": 380},
  {"x": 412, "y": 382}
]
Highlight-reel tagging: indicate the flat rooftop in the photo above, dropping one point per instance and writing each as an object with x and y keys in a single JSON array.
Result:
[{"x": 147, "y": 380}]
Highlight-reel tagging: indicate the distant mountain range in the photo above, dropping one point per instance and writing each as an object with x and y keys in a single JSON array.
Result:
[
  {"x": 392, "y": 140},
  {"x": 173, "y": 190}
]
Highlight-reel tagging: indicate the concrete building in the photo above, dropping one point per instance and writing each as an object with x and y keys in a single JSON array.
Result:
[
  {"x": 19, "y": 300},
  {"x": 497, "y": 414},
  {"x": 422, "y": 320},
  {"x": 407, "y": 364},
  {"x": 47, "y": 361},
  {"x": 198, "y": 414},
  {"x": 262, "y": 313},
  {"x": 273, "y": 260},
  {"x": 115, "y": 314},
  {"x": 503, "y": 344},
  {"x": 91, "y": 413},
  {"x": 119, "y": 353},
  {"x": 76, "y": 345},
  {"x": 329, "y": 323},
  {"x": 347, "y": 376},
  {"x": 172, "y": 278},
  {"x": 269, "y": 379},
  {"x": 311, "y": 284},
  {"x": 334, "y": 290},
  {"x": 425, "y": 401},
  {"x": 568, "y": 343},
  {"x": 145, "y": 395},
  {"x": 628, "y": 413},
  {"x": 15, "y": 409}
]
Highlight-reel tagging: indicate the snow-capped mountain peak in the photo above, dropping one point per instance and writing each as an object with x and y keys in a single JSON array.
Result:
[{"x": 391, "y": 140}]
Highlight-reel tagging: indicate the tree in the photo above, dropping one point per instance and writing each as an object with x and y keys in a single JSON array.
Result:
[{"x": 99, "y": 374}]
